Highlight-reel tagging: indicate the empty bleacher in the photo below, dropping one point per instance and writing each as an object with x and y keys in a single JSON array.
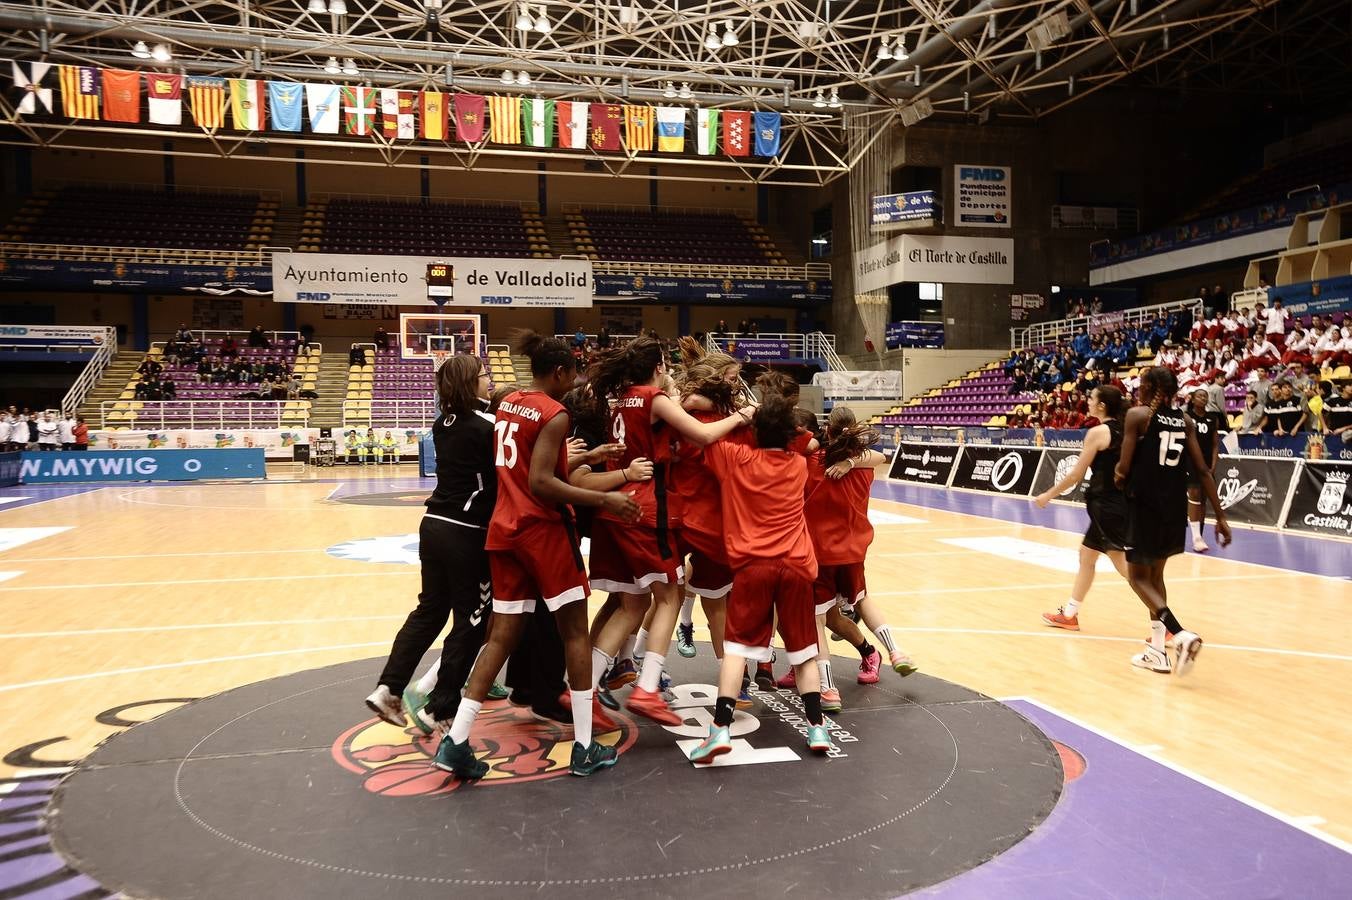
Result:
[
  {"x": 707, "y": 237},
  {"x": 978, "y": 398},
  {"x": 403, "y": 227},
  {"x": 389, "y": 391},
  {"x": 125, "y": 217},
  {"x": 1325, "y": 167}
]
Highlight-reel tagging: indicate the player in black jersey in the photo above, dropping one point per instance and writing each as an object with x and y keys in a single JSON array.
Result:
[
  {"x": 1208, "y": 426},
  {"x": 1107, "y": 506},
  {"x": 1155, "y": 438}
]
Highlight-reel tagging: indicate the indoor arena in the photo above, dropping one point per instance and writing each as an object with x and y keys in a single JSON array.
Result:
[{"x": 713, "y": 448}]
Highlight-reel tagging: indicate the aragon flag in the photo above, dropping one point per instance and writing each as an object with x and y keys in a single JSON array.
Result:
[{"x": 638, "y": 128}]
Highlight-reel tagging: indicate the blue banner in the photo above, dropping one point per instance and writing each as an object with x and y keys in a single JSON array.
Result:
[
  {"x": 9, "y": 469},
  {"x": 767, "y": 133},
  {"x": 653, "y": 289},
  {"x": 913, "y": 206},
  {"x": 73, "y": 275},
  {"x": 1311, "y": 298},
  {"x": 60, "y": 466},
  {"x": 915, "y": 334}
]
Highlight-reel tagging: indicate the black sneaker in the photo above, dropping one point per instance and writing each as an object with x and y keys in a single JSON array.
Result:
[
  {"x": 458, "y": 759},
  {"x": 606, "y": 698},
  {"x": 591, "y": 759}
]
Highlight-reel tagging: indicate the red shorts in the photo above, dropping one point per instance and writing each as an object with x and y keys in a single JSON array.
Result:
[
  {"x": 629, "y": 559},
  {"x": 759, "y": 591},
  {"x": 544, "y": 566},
  {"x": 842, "y": 582},
  {"x": 709, "y": 575}
]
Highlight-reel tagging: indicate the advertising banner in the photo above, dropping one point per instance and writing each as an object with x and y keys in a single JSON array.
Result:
[
  {"x": 1322, "y": 503},
  {"x": 939, "y": 258},
  {"x": 1294, "y": 446},
  {"x": 911, "y": 208},
  {"x": 44, "y": 335},
  {"x": 63, "y": 466},
  {"x": 1252, "y": 489},
  {"x": 884, "y": 385},
  {"x": 924, "y": 463},
  {"x": 128, "y": 277},
  {"x": 665, "y": 289},
  {"x": 915, "y": 334},
  {"x": 276, "y": 443},
  {"x": 1027, "y": 307},
  {"x": 1001, "y": 470},
  {"x": 759, "y": 349},
  {"x": 1055, "y": 465},
  {"x": 981, "y": 196},
  {"x": 9, "y": 469},
  {"x": 1311, "y": 298}
]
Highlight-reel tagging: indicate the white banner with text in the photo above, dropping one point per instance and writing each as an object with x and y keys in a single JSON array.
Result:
[{"x": 938, "y": 258}]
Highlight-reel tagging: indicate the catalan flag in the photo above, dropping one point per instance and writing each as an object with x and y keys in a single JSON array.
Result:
[
  {"x": 638, "y": 128},
  {"x": 504, "y": 122},
  {"x": 81, "y": 87},
  {"x": 206, "y": 99}
]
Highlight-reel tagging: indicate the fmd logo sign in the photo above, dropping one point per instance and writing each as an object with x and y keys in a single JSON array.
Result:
[
  {"x": 972, "y": 173},
  {"x": 312, "y": 297},
  {"x": 497, "y": 301},
  {"x": 13, "y": 330}
]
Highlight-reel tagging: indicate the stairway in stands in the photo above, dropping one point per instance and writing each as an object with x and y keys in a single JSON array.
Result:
[
  {"x": 560, "y": 239},
  {"x": 286, "y": 228},
  {"x": 327, "y": 410},
  {"x": 120, "y": 371}
]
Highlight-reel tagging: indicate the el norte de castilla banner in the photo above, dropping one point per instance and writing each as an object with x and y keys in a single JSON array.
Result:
[{"x": 402, "y": 280}]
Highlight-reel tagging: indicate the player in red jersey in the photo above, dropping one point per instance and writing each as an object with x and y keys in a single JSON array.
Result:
[
  {"x": 533, "y": 552},
  {"x": 840, "y": 477},
  {"x": 774, "y": 567},
  {"x": 634, "y": 558}
]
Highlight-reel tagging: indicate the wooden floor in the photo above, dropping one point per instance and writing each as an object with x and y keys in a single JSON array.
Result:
[{"x": 183, "y": 591}]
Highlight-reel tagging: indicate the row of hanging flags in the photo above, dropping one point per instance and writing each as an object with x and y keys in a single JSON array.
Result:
[{"x": 113, "y": 95}]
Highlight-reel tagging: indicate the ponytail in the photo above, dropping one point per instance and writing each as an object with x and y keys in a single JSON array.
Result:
[
  {"x": 546, "y": 353},
  {"x": 845, "y": 438},
  {"x": 615, "y": 371}
]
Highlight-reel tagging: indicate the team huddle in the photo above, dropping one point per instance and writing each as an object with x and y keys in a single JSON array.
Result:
[{"x": 686, "y": 489}]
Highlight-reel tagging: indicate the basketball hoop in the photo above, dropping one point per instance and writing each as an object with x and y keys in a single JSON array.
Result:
[{"x": 439, "y": 358}]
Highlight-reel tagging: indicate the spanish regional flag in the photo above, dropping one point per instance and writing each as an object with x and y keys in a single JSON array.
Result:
[
  {"x": 164, "y": 98},
  {"x": 605, "y": 126},
  {"x": 671, "y": 129},
  {"x": 80, "y": 90},
  {"x": 638, "y": 128},
  {"x": 248, "y": 103},
  {"x": 572, "y": 121},
  {"x": 469, "y": 117},
  {"x": 433, "y": 116},
  {"x": 206, "y": 98},
  {"x": 121, "y": 96},
  {"x": 504, "y": 120},
  {"x": 737, "y": 133}
]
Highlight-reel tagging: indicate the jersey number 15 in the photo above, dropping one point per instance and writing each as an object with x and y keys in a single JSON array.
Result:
[
  {"x": 506, "y": 435},
  {"x": 1171, "y": 448}
]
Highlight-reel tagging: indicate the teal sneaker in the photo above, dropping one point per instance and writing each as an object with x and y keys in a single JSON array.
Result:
[
  {"x": 717, "y": 743},
  {"x": 414, "y": 701},
  {"x": 458, "y": 759},
  {"x": 819, "y": 739},
  {"x": 685, "y": 640},
  {"x": 592, "y": 758},
  {"x": 497, "y": 692}
]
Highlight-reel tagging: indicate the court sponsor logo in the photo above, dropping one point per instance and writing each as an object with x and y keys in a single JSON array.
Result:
[
  {"x": 1063, "y": 468},
  {"x": 1005, "y": 472},
  {"x": 1332, "y": 494},
  {"x": 517, "y": 747},
  {"x": 401, "y": 548},
  {"x": 1233, "y": 491}
]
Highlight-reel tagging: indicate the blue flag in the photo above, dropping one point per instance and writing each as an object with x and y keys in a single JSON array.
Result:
[
  {"x": 284, "y": 102},
  {"x": 767, "y": 134}
]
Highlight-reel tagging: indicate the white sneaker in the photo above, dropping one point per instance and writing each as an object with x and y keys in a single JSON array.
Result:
[
  {"x": 1200, "y": 546},
  {"x": 1152, "y": 659},
  {"x": 1187, "y": 647},
  {"x": 436, "y": 726},
  {"x": 387, "y": 706}
]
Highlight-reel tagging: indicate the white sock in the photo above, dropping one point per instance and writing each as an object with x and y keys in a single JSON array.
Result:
[
  {"x": 1157, "y": 634},
  {"x": 627, "y": 651},
  {"x": 1196, "y": 529},
  {"x": 1072, "y": 607},
  {"x": 884, "y": 633},
  {"x": 651, "y": 673},
  {"x": 429, "y": 679},
  {"x": 688, "y": 610},
  {"x": 465, "y": 715},
  {"x": 824, "y": 671},
  {"x": 582, "y": 716},
  {"x": 601, "y": 664},
  {"x": 640, "y": 644}
]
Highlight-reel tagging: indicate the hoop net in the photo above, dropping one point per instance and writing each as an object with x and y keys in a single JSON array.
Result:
[{"x": 439, "y": 358}]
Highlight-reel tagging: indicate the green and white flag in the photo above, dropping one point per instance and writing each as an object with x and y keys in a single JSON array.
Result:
[
  {"x": 706, "y": 132},
  {"x": 537, "y": 122}
]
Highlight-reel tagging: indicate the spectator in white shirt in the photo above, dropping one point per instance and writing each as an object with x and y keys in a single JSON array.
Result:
[
  {"x": 1297, "y": 348},
  {"x": 1276, "y": 319},
  {"x": 66, "y": 431},
  {"x": 1336, "y": 348},
  {"x": 1260, "y": 354},
  {"x": 48, "y": 433}
]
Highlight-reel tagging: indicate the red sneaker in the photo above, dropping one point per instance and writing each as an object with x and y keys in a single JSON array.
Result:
[
  {"x": 1059, "y": 619},
  {"x": 651, "y": 705},
  {"x": 788, "y": 680},
  {"x": 601, "y": 723},
  {"x": 869, "y": 667}
]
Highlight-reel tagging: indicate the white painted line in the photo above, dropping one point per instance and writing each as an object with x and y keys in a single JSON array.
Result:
[
  {"x": 179, "y": 665},
  {"x": 383, "y": 573},
  {"x": 17, "y": 537},
  {"x": 1293, "y": 821},
  {"x": 1062, "y": 559},
  {"x": 1310, "y": 820},
  {"x": 76, "y": 632},
  {"x": 13, "y": 499},
  {"x": 161, "y": 555},
  {"x": 23, "y": 774},
  {"x": 6, "y": 576},
  {"x": 880, "y": 517}
]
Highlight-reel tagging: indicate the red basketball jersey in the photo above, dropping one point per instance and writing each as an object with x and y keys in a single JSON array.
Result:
[
  {"x": 837, "y": 513},
  {"x": 520, "y": 419},
  {"x": 763, "y": 494},
  {"x": 696, "y": 485},
  {"x": 631, "y": 423}
]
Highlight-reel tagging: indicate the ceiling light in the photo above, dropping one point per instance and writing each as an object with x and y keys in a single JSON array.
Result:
[
  {"x": 331, "y": 66},
  {"x": 990, "y": 28},
  {"x": 508, "y": 76},
  {"x": 523, "y": 78},
  {"x": 350, "y": 67},
  {"x": 542, "y": 23},
  {"x": 884, "y": 51},
  {"x": 685, "y": 93},
  {"x": 729, "y": 36},
  {"x": 669, "y": 91},
  {"x": 900, "y": 53},
  {"x": 1166, "y": 37},
  {"x": 523, "y": 20},
  {"x": 318, "y": 6},
  {"x": 1070, "y": 86},
  {"x": 432, "y": 5},
  {"x": 338, "y": 7},
  {"x": 140, "y": 51},
  {"x": 834, "y": 102},
  {"x": 820, "y": 101},
  {"x": 966, "y": 101},
  {"x": 713, "y": 42},
  {"x": 161, "y": 53}
]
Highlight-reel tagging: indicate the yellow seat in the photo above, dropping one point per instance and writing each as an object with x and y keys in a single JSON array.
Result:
[
  {"x": 1342, "y": 372},
  {"x": 1067, "y": 386}
]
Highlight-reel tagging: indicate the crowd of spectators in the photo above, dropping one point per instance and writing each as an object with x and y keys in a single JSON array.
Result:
[{"x": 27, "y": 429}]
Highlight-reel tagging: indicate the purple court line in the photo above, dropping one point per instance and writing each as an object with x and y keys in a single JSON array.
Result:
[
  {"x": 1133, "y": 826},
  {"x": 33, "y": 869},
  {"x": 1278, "y": 550}
]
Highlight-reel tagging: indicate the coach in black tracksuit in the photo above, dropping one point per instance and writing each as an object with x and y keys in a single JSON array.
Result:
[{"x": 455, "y": 578}]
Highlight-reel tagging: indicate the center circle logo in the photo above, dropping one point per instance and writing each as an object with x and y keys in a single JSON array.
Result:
[
  {"x": 517, "y": 746},
  {"x": 1006, "y": 471}
]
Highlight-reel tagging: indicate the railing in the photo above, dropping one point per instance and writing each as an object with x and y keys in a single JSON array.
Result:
[
  {"x": 192, "y": 414},
  {"x": 823, "y": 346},
  {"x": 92, "y": 372},
  {"x": 1245, "y": 300},
  {"x": 177, "y": 256},
  {"x": 615, "y": 339},
  {"x": 648, "y": 209},
  {"x": 815, "y": 345},
  {"x": 1044, "y": 333},
  {"x": 808, "y": 272},
  {"x": 406, "y": 201},
  {"x": 389, "y": 413},
  {"x": 149, "y": 187}
]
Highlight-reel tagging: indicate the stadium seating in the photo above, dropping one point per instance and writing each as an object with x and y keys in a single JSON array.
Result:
[
  {"x": 123, "y": 217},
  {"x": 711, "y": 238},
  {"x": 424, "y": 228},
  {"x": 389, "y": 391},
  {"x": 1326, "y": 167},
  {"x": 978, "y": 398}
]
